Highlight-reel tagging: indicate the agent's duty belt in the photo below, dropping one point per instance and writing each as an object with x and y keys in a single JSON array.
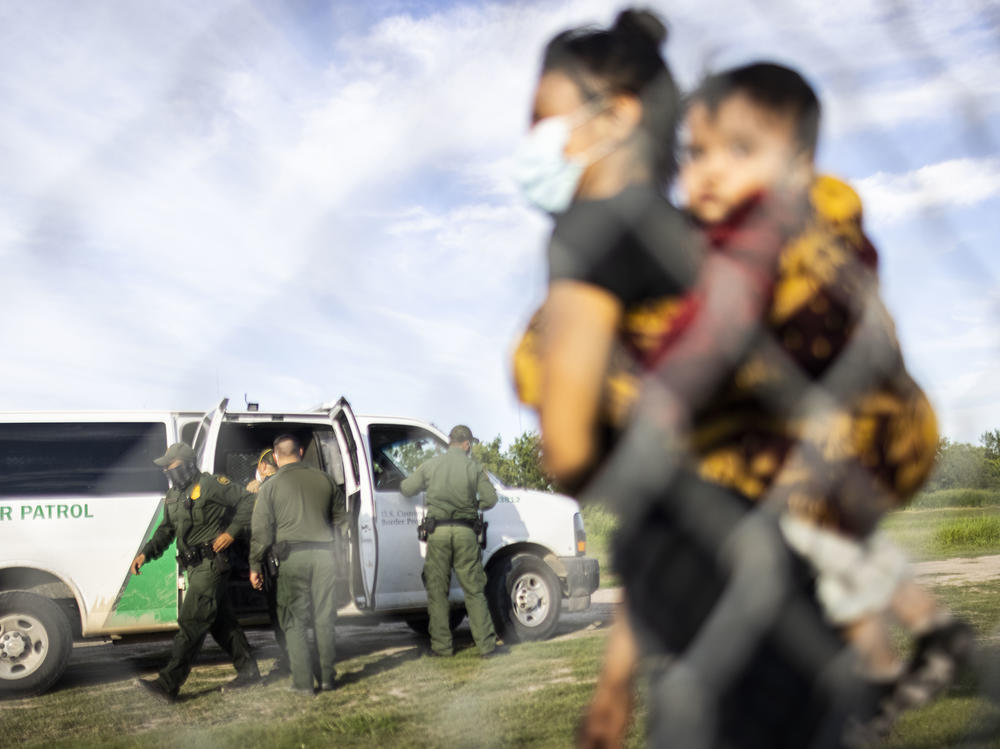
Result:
[
  {"x": 192, "y": 556},
  {"x": 466, "y": 523}
]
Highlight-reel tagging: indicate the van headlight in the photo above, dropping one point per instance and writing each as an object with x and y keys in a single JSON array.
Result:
[{"x": 579, "y": 534}]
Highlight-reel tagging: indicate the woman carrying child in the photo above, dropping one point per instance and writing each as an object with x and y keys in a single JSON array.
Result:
[
  {"x": 787, "y": 374},
  {"x": 622, "y": 264}
]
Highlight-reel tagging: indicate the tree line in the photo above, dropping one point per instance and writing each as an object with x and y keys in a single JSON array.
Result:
[
  {"x": 960, "y": 465},
  {"x": 518, "y": 465}
]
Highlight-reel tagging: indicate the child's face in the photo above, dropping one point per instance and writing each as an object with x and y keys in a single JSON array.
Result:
[{"x": 737, "y": 151}]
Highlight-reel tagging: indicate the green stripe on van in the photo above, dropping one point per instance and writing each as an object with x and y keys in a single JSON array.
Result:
[{"x": 151, "y": 597}]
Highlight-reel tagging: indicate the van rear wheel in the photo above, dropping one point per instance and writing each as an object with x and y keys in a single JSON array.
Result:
[
  {"x": 35, "y": 643},
  {"x": 525, "y": 597}
]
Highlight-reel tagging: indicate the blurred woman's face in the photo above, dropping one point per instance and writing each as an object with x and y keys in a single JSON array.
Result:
[
  {"x": 559, "y": 96},
  {"x": 580, "y": 144}
]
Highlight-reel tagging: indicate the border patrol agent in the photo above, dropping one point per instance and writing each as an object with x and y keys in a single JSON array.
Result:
[
  {"x": 453, "y": 481},
  {"x": 204, "y": 513},
  {"x": 266, "y": 468},
  {"x": 296, "y": 510}
]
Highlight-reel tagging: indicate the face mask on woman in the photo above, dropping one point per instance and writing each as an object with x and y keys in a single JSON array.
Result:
[{"x": 547, "y": 177}]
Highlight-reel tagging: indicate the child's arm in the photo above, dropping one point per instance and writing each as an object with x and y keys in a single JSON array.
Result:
[
  {"x": 729, "y": 308},
  {"x": 729, "y": 305}
]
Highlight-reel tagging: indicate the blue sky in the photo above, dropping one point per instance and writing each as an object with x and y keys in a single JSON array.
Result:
[{"x": 306, "y": 199}]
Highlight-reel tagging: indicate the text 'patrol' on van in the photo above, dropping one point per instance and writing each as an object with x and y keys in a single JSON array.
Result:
[{"x": 80, "y": 495}]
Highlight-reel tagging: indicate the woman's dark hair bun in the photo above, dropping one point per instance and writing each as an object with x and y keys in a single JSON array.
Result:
[
  {"x": 635, "y": 22},
  {"x": 625, "y": 59}
]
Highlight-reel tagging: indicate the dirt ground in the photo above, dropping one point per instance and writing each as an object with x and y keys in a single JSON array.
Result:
[
  {"x": 100, "y": 662},
  {"x": 959, "y": 571},
  {"x": 93, "y": 662}
]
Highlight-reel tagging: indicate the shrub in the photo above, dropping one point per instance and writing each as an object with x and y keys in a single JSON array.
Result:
[
  {"x": 957, "y": 498},
  {"x": 600, "y": 523},
  {"x": 976, "y": 532}
]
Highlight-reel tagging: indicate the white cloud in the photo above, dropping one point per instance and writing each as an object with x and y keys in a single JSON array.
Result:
[
  {"x": 963, "y": 90},
  {"x": 173, "y": 177},
  {"x": 954, "y": 183}
]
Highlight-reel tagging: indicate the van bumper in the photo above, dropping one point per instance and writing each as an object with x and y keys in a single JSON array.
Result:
[{"x": 583, "y": 576}]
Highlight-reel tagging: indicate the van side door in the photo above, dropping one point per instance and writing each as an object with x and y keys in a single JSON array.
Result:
[
  {"x": 207, "y": 435},
  {"x": 396, "y": 451},
  {"x": 360, "y": 503}
]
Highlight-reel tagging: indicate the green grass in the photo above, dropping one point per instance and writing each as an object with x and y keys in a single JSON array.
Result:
[
  {"x": 532, "y": 697},
  {"x": 962, "y": 720},
  {"x": 964, "y": 717},
  {"x": 977, "y": 532},
  {"x": 977, "y": 603},
  {"x": 945, "y": 532}
]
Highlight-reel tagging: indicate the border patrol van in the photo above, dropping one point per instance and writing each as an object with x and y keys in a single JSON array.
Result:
[{"x": 80, "y": 495}]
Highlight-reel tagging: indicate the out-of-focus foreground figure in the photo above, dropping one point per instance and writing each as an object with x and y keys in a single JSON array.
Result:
[{"x": 777, "y": 385}]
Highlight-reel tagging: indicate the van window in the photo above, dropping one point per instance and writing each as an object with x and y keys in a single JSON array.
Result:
[
  {"x": 397, "y": 450},
  {"x": 188, "y": 432},
  {"x": 89, "y": 458}
]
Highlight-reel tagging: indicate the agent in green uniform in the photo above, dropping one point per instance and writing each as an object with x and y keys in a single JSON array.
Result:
[
  {"x": 204, "y": 513},
  {"x": 266, "y": 468},
  {"x": 453, "y": 482},
  {"x": 296, "y": 510}
]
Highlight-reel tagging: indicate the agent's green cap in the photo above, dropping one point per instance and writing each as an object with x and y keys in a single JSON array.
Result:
[
  {"x": 461, "y": 433},
  {"x": 177, "y": 451}
]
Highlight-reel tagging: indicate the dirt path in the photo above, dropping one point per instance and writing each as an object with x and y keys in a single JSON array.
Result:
[
  {"x": 959, "y": 571},
  {"x": 956, "y": 571}
]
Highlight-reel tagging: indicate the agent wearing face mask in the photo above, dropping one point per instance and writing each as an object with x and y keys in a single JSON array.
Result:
[
  {"x": 266, "y": 467},
  {"x": 205, "y": 514}
]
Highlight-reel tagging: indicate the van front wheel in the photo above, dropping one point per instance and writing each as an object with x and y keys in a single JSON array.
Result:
[
  {"x": 35, "y": 643},
  {"x": 525, "y": 598}
]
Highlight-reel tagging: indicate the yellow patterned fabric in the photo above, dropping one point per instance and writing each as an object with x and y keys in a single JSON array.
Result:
[
  {"x": 855, "y": 464},
  {"x": 842, "y": 468},
  {"x": 847, "y": 465},
  {"x": 621, "y": 383},
  {"x": 527, "y": 361},
  {"x": 823, "y": 275},
  {"x": 642, "y": 330}
]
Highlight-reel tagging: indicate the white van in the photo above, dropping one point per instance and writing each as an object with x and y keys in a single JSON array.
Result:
[{"x": 80, "y": 495}]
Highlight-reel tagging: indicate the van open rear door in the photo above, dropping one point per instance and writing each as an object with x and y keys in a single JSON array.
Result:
[
  {"x": 207, "y": 436},
  {"x": 360, "y": 503}
]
